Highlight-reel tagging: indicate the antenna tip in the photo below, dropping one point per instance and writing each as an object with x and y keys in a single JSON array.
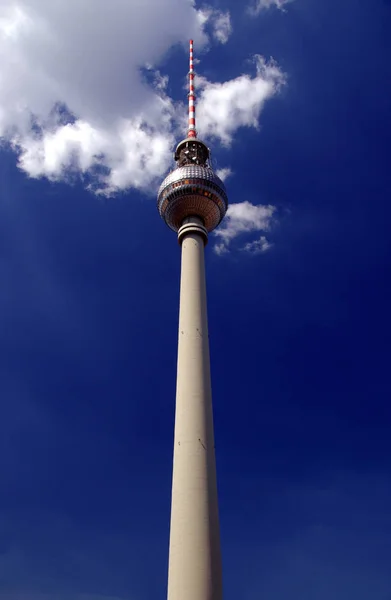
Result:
[{"x": 191, "y": 42}]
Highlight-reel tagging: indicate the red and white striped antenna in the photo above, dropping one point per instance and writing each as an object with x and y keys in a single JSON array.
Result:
[{"x": 192, "y": 133}]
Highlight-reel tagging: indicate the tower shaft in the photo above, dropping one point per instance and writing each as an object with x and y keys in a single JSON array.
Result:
[{"x": 194, "y": 558}]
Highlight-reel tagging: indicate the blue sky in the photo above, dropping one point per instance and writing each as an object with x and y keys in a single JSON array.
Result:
[{"x": 298, "y": 290}]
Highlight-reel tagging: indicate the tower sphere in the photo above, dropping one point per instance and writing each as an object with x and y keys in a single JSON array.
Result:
[{"x": 192, "y": 189}]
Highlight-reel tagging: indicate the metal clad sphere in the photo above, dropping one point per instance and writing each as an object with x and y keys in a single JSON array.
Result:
[{"x": 192, "y": 190}]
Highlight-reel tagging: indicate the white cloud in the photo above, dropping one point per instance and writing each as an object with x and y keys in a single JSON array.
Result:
[
  {"x": 80, "y": 91},
  {"x": 244, "y": 217},
  {"x": 224, "y": 173},
  {"x": 219, "y": 22},
  {"x": 128, "y": 154},
  {"x": 224, "y": 107},
  {"x": 220, "y": 249},
  {"x": 258, "y": 246},
  {"x": 84, "y": 59},
  {"x": 222, "y": 27},
  {"x": 260, "y": 5}
]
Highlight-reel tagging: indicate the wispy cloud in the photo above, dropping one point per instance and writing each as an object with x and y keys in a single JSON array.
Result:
[
  {"x": 224, "y": 107},
  {"x": 221, "y": 249},
  {"x": 241, "y": 218},
  {"x": 219, "y": 23},
  {"x": 224, "y": 173},
  {"x": 259, "y": 5},
  {"x": 258, "y": 246},
  {"x": 223, "y": 27}
]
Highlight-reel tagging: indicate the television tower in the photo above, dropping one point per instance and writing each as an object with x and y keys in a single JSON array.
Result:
[{"x": 192, "y": 201}]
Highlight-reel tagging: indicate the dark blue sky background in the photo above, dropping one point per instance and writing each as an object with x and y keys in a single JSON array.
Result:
[{"x": 300, "y": 343}]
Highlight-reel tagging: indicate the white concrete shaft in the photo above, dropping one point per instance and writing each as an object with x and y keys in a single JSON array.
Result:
[{"x": 194, "y": 559}]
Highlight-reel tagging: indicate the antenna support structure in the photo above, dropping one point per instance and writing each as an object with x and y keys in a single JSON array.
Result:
[{"x": 192, "y": 189}]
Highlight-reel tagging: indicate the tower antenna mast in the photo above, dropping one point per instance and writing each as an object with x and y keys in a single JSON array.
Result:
[{"x": 192, "y": 133}]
